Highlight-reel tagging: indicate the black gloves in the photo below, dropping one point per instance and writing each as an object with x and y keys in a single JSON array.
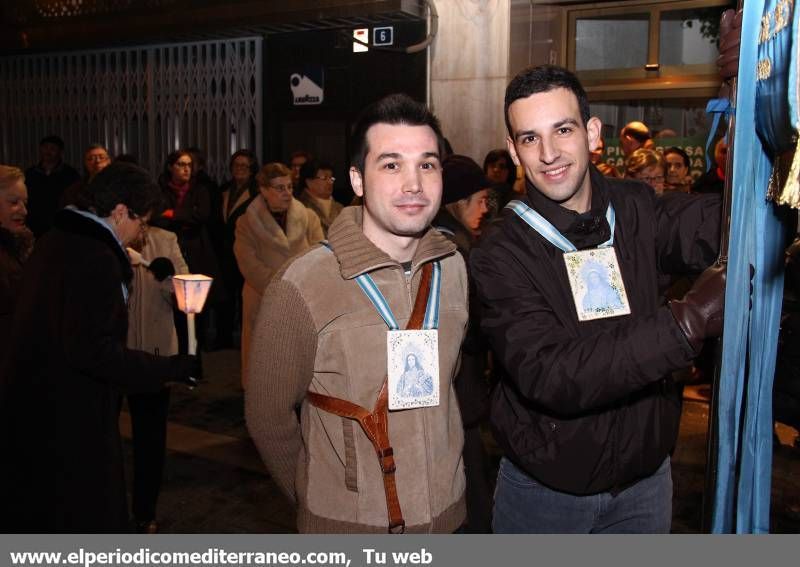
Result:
[
  {"x": 188, "y": 369},
  {"x": 699, "y": 313},
  {"x": 161, "y": 268}
]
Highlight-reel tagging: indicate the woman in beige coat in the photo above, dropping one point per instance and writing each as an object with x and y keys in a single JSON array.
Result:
[
  {"x": 274, "y": 228},
  {"x": 151, "y": 328}
]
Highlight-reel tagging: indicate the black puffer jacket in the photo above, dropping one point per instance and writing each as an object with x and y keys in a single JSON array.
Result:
[{"x": 585, "y": 406}]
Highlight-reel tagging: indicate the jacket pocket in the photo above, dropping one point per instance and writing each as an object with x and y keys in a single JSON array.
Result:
[
  {"x": 530, "y": 435},
  {"x": 535, "y": 437},
  {"x": 350, "y": 459}
]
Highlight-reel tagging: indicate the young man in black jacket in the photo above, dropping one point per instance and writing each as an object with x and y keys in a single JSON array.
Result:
[{"x": 587, "y": 412}]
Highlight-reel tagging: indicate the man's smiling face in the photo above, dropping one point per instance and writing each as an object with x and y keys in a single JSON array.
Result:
[{"x": 551, "y": 142}]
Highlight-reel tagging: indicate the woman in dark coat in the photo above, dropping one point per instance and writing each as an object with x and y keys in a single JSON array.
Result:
[
  {"x": 16, "y": 243},
  {"x": 188, "y": 213},
  {"x": 68, "y": 365},
  {"x": 237, "y": 194}
]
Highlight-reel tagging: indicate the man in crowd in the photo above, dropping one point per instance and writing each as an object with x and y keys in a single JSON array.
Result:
[
  {"x": 635, "y": 135},
  {"x": 587, "y": 413},
  {"x": 68, "y": 365},
  {"x": 95, "y": 159},
  {"x": 713, "y": 180},
  {"x": 47, "y": 181},
  {"x": 296, "y": 161},
  {"x": 678, "y": 176},
  {"x": 321, "y": 343}
]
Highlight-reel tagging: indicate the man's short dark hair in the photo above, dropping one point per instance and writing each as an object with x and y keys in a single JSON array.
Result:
[
  {"x": 55, "y": 140},
  {"x": 125, "y": 183},
  {"x": 542, "y": 79},
  {"x": 395, "y": 109},
  {"x": 680, "y": 152}
]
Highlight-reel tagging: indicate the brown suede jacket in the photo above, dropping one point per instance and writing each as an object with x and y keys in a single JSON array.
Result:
[{"x": 316, "y": 330}]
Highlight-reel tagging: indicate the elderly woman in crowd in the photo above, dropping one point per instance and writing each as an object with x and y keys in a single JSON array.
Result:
[
  {"x": 316, "y": 192},
  {"x": 68, "y": 364},
  {"x": 16, "y": 243},
  {"x": 648, "y": 166},
  {"x": 275, "y": 227}
]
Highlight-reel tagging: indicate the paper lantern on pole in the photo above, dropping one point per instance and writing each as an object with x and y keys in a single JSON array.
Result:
[{"x": 191, "y": 291}]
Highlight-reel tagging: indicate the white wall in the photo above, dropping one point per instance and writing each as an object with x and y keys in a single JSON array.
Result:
[{"x": 469, "y": 73}]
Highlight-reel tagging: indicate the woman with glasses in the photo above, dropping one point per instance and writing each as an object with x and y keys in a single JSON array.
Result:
[
  {"x": 648, "y": 166},
  {"x": 237, "y": 194},
  {"x": 316, "y": 186},
  {"x": 188, "y": 210},
  {"x": 275, "y": 227}
]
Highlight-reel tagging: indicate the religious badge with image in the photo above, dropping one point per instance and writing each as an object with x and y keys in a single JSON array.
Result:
[
  {"x": 596, "y": 283},
  {"x": 413, "y": 369}
]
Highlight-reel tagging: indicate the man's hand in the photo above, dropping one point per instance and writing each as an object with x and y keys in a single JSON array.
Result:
[{"x": 699, "y": 313}]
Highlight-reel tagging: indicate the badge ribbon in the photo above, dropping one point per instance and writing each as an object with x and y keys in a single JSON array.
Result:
[
  {"x": 550, "y": 233},
  {"x": 594, "y": 275}
]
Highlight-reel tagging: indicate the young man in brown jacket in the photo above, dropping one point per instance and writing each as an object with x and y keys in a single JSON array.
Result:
[{"x": 326, "y": 341}]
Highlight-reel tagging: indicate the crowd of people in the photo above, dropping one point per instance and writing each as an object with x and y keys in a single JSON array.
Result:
[{"x": 465, "y": 278}]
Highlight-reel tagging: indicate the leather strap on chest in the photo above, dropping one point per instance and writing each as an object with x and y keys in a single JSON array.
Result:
[{"x": 375, "y": 424}]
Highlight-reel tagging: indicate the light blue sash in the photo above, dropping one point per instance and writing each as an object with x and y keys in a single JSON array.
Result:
[
  {"x": 370, "y": 289},
  {"x": 550, "y": 233},
  {"x": 373, "y": 293}
]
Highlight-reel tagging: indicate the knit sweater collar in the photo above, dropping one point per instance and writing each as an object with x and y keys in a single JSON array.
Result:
[{"x": 358, "y": 255}]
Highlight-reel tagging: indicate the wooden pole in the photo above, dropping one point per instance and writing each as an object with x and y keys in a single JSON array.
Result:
[{"x": 712, "y": 441}]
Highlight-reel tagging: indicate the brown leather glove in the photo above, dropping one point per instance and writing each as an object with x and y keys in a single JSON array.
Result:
[
  {"x": 730, "y": 37},
  {"x": 699, "y": 313}
]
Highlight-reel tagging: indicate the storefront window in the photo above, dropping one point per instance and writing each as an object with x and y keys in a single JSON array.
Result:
[
  {"x": 685, "y": 38},
  {"x": 611, "y": 42}
]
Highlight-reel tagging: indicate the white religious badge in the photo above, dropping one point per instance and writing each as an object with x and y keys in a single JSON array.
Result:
[
  {"x": 594, "y": 275},
  {"x": 412, "y": 356},
  {"x": 413, "y": 369},
  {"x": 597, "y": 287}
]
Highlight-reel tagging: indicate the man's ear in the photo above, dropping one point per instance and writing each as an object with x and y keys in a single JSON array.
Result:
[
  {"x": 119, "y": 213},
  {"x": 357, "y": 181},
  {"x": 512, "y": 150},
  {"x": 593, "y": 128}
]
